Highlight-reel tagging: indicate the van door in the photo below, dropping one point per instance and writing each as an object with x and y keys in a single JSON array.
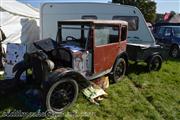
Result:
[
  {"x": 106, "y": 47},
  {"x": 160, "y": 35},
  {"x": 168, "y": 36}
]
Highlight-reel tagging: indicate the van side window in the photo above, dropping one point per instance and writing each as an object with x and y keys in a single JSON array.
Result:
[
  {"x": 89, "y": 17},
  {"x": 161, "y": 31},
  {"x": 133, "y": 21},
  {"x": 123, "y": 33},
  {"x": 167, "y": 32},
  {"x": 106, "y": 35}
]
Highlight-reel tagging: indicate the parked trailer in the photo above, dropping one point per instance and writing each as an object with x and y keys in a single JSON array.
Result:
[{"x": 141, "y": 43}]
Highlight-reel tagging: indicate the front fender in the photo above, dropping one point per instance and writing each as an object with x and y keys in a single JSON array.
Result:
[
  {"x": 153, "y": 54},
  {"x": 20, "y": 65},
  {"x": 66, "y": 72}
]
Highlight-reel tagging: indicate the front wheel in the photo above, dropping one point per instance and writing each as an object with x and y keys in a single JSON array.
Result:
[
  {"x": 61, "y": 94},
  {"x": 154, "y": 63},
  {"x": 119, "y": 70},
  {"x": 174, "y": 52}
]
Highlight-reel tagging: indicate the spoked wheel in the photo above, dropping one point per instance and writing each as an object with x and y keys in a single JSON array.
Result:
[
  {"x": 154, "y": 63},
  {"x": 174, "y": 52},
  {"x": 61, "y": 95},
  {"x": 119, "y": 70}
]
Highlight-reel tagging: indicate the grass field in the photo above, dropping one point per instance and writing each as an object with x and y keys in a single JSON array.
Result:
[{"x": 139, "y": 96}]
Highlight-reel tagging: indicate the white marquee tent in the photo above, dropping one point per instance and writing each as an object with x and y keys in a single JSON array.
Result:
[{"x": 19, "y": 22}]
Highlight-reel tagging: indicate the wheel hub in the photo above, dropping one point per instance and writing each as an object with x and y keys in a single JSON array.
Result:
[
  {"x": 174, "y": 52},
  {"x": 61, "y": 96}
]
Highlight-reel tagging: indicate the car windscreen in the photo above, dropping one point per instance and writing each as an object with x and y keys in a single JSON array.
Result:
[
  {"x": 176, "y": 31},
  {"x": 74, "y": 34}
]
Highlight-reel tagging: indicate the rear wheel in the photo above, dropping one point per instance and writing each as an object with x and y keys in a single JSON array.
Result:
[
  {"x": 154, "y": 63},
  {"x": 119, "y": 70},
  {"x": 174, "y": 51},
  {"x": 61, "y": 94}
]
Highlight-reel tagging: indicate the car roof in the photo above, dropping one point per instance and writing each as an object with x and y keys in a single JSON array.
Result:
[
  {"x": 95, "y": 21},
  {"x": 167, "y": 24}
]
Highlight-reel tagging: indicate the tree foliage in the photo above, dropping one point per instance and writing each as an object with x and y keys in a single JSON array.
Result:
[{"x": 147, "y": 7}]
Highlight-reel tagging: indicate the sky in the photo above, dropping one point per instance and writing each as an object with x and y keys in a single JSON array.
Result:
[{"x": 162, "y": 5}]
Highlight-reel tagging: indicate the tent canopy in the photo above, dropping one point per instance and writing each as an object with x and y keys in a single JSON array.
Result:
[
  {"x": 19, "y": 22},
  {"x": 20, "y": 9}
]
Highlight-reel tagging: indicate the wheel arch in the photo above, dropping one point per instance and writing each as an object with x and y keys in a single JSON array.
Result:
[
  {"x": 60, "y": 73},
  {"x": 153, "y": 54},
  {"x": 175, "y": 44},
  {"x": 121, "y": 55}
]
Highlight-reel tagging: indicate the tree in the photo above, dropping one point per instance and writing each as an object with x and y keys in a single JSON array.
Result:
[{"x": 147, "y": 7}]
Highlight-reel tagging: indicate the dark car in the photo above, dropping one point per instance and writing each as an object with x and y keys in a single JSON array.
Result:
[{"x": 169, "y": 36}]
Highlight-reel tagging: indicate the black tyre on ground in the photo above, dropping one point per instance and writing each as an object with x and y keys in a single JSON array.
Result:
[
  {"x": 119, "y": 70},
  {"x": 154, "y": 63},
  {"x": 174, "y": 52},
  {"x": 60, "y": 94}
]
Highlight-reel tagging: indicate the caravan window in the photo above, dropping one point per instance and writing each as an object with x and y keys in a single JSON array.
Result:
[{"x": 132, "y": 21}]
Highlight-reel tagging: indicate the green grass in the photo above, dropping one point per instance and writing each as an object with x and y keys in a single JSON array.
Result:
[{"x": 139, "y": 96}]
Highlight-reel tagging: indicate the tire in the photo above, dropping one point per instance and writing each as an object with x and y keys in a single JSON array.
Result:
[
  {"x": 174, "y": 51},
  {"x": 119, "y": 70},
  {"x": 154, "y": 63},
  {"x": 65, "y": 91}
]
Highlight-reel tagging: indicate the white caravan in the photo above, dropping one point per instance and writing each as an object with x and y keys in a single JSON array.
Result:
[
  {"x": 53, "y": 12},
  {"x": 141, "y": 43}
]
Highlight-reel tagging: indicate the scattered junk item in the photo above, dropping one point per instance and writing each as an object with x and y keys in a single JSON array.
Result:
[
  {"x": 175, "y": 19},
  {"x": 2, "y": 53},
  {"x": 14, "y": 54},
  {"x": 141, "y": 45},
  {"x": 171, "y": 17},
  {"x": 61, "y": 68},
  {"x": 149, "y": 26},
  {"x": 94, "y": 93},
  {"x": 1, "y": 73},
  {"x": 102, "y": 82}
]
